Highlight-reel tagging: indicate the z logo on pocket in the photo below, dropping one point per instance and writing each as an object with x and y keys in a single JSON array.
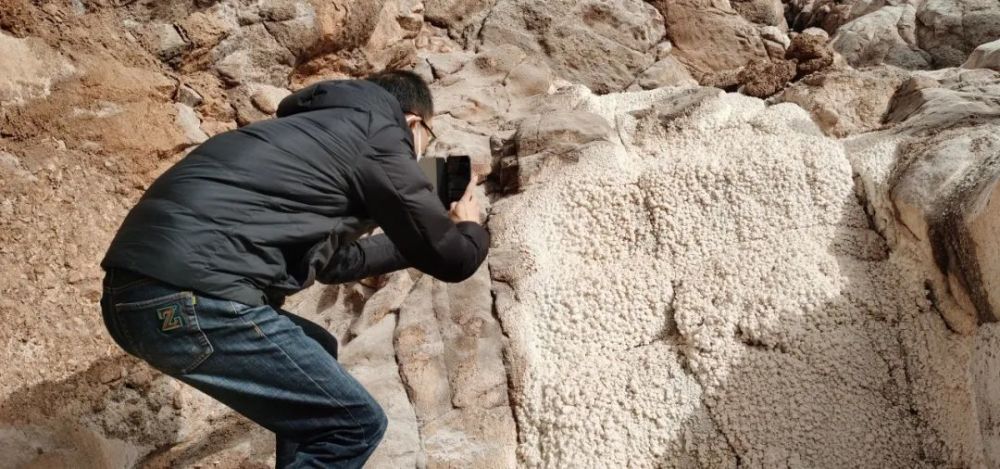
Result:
[{"x": 171, "y": 320}]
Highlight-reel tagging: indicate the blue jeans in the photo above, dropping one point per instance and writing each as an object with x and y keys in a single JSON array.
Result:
[{"x": 277, "y": 369}]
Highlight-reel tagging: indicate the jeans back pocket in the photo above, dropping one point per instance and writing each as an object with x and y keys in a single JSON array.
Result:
[{"x": 164, "y": 331}]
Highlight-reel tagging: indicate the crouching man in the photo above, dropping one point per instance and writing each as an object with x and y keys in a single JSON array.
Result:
[{"x": 201, "y": 265}]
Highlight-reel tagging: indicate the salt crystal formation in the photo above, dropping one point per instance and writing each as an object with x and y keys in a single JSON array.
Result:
[{"x": 702, "y": 288}]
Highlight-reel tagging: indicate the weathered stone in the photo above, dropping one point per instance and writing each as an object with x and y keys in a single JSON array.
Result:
[
  {"x": 946, "y": 194},
  {"x": 30, "y": 68},
  {"x": 473, "y": 345},
  {"x": 828, "y": 15},
  {"x": 459, "y": 138},
  {"x": 950, "y": 29},
  {"x": 255, "y": 101},
  {"x": 292, "y": 24},
  {"x": 775, "y": 41},
  {"x": 357, "y": 38},
  {"x": 279, "y": 10},
  {"x": 931, "y": 183},
  {"x": 423, "y": 68},
  {"x": 371, "y": 359},
  {"x": 663, "y": 50},
  {"x": 387, "y": 300},
  {"x": 846, "y": 101},
  {"x": 762, "y": 78},
  {"x": 164, "y": 41},
  {"x": 420, "y": 351},
  {"x": 204, "y": 29},
  {"x": 190, "y": 124},
  {"x": 600, "y": 44},
  {"x": 266, "y": 98},
  {"x": 765, "y": 12},
  {"x": 939, "y": 98},
  {"x": 560, "y": 132},
  {"x": 188, "y": 96},
  {"x": 884, "y": 36},
  {"x": 492, "y": 430},
  {"x": 985, "y": 56},
  {"x": 710, "y": 39},
  {"x": 478, "y": 93},
  {"x": 817, "y": 32},
  {"x": 666, "y": 72},
  {"x": 678, "y": 105},
  {"x": 448, "y": 63},
  {"x": 811, "y": 53},
  {"x": 252, "y": 55},
  {"x": 947, "y": 30},
  {"x": 531, "y": 77},
  {"x": 463, "y": 18}
]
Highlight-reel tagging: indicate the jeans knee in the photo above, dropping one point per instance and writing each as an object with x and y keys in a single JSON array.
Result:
[{"x": 376, "y": 424}]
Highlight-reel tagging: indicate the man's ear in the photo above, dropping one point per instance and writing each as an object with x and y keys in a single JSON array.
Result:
[{"x": 412, "y": 121}]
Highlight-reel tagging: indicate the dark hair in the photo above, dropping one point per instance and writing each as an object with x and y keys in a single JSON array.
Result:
[{"x": 409, "y": 89}]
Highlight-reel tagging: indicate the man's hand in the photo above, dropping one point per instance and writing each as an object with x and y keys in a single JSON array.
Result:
[{"x": 467, "y": 208}]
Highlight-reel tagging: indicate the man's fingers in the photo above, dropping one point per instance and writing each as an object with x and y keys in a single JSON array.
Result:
[{"x": 468, "y": 194}]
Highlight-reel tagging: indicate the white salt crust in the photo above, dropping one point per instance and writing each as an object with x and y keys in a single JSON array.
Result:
[{"x": 710, "y": 292}]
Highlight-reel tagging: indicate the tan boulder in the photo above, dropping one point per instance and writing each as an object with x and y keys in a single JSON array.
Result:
[
  {"x": 884, "y": 36},
  {"x": 763, "y": 77},
  {"x": 985, "y": 56},
  {"x": 764, "y": 12},
  {"x": 601, "y": 44},
  {"x": 666, "y": 72},
  {"x": 811, "y": 53},
  {"x": 949, "y": 30},
  {"x": 30, "y": 68},
  {"x": 709, "y": 36},
  {"x": 846, "y": 101}
]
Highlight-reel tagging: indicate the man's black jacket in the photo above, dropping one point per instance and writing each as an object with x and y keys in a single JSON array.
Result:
[{"x": 261, "y": 212}]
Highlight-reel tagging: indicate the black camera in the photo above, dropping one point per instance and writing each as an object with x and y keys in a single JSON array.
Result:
[{"x": 450, "y": 176}]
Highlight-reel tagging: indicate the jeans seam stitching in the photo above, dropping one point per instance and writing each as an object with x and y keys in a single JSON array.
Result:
[
  {"x": 299, "y": 368},
  {"x": 128, "y": 305},
  {"x": 203, "y": 338}
]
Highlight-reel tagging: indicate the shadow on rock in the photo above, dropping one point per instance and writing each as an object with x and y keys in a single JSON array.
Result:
[{"x": 121, "y": 413}]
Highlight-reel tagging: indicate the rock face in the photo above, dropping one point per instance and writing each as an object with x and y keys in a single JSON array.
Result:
[
  {"x": 950, "y": 30},
  {"x": 432, "y": 355},
  {"x": 709, "y": 36},
  {"x": 666, "y": 72},
  {"x": 884, "y": 36},
  {"x": 939, "y": 185},
  {"x": 931, "y": 181},
  {"x": 810, "y": 53},
  {"x": 907, "y": 33},
  {"x": 985, "y": 56},
  {"x": 765, "y": 12},
  {"x": 847, "y": 101},
  {"x": 762, "y": 78},
  {"x": 30, "y": 69},
  {"x": 679, "y": 277},
  {"x": 601, "y": 44}
]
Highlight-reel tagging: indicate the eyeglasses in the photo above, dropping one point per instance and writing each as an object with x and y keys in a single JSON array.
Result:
[{"x": 430, "y": 131}]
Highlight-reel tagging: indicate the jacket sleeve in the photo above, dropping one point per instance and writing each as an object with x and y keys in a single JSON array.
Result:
[
  {"x": 400, "y": 199},
  {"x": 366, "y": 257}
]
